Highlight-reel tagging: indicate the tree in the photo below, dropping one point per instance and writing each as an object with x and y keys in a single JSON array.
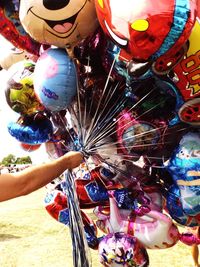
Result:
[
  {"x": 23, "y": 160},
  {"x": 8, "y": 160},
  {"x": 12, "y": 160}
]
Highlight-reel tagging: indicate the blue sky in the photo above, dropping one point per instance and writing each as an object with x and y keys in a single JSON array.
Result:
[{"x": 8, "y": 144}]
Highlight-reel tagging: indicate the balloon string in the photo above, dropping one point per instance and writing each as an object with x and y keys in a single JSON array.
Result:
[
  {"x": 80, "y": 247},
  {"x": 111, "y": 124},
  {"x": 94, "y": 119}
]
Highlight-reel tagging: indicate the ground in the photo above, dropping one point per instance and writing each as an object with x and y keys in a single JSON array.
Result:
[{"x": 29, "y": 237}]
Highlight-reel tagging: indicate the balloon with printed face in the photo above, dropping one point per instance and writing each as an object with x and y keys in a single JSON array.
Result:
[
  {"x": 61, "y": 23},
  {"x": 136, "y": 28},
  {"x": 120, "y": 249},
  {"x": 11, "y": 27},
  {"x": 20, "y": 93},
  {"x": 55, "y": 79}
]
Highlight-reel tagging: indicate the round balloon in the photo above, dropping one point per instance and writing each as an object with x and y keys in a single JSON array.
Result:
[
  {"x": 20, "y": 94},
  {"x": 11, "y": 27},
  {"x": 28, "y": 147},
  {"x": 59, "y": 23},
  {"x": 55, "y": 79},
  {"x": 120, "y": 249}
]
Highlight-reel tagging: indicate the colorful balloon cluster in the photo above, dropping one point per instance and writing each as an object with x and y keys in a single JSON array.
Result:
[{"x": 120, "y": 82}]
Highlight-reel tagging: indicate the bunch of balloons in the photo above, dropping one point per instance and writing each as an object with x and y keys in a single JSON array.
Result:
[{"x": 120, "y": 82}]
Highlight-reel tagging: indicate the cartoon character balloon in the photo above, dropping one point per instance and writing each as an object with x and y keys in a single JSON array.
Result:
[
  {"x": 55, "y": 79},
  {"x": 61, "y": 23},
  {"x": 20, "y": 94},
  {"x": 136, "y": 28},
  {"x": 120, "y": 249}
]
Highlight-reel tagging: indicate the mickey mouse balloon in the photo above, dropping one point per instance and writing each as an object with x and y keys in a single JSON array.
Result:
[{"x": 61, "y": 23}]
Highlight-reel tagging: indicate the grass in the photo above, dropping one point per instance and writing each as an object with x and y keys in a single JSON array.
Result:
[{"x": 29, "y": 237}]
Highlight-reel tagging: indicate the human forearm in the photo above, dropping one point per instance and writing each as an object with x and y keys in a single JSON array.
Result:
[{"x": 35, "y": 177}]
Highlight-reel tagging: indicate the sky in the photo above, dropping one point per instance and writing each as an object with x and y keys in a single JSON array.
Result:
[{"x": 8, "y": 144}]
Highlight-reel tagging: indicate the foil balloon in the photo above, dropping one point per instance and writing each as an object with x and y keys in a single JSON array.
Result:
[
  {"x": 137, "y": 137},
  {"x": 12, "y": 29},
  {"x": 175, "y": 209},
  {"x": 63, "y": 23},
  {"x": 13, "y": 56},
  {"x": 154, "y": 230},
  {"x": 184, "y": 167},
  {"x": 20, "y": 93},
  {"x": 55, "y": 79},
  {"x": 135, "y": 27},
  {"x": 29, "y": 148},
  {"x": 187, "y": 79},
  {"x": 31, "y": 129},
  {"x": 120, "y": 249},
  {"x": 56, "y": 205},
  {"x": 198, "y": 8}
]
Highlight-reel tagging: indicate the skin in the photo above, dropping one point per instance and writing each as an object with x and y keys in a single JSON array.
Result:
[{"x": 18, "y": 184}]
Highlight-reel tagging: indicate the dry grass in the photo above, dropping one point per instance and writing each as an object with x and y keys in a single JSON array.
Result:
[{"x": 29, "y": 237}]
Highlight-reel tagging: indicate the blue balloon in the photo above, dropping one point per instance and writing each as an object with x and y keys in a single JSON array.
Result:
[
  {"x": 55, "y": 79},
  {"x": 31, "y": 130},
  {"x": 175, "y": 209},
  {"x": 184, "y": 166}
]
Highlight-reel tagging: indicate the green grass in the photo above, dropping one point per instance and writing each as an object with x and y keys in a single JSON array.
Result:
[{"x": 30, "y": 237}]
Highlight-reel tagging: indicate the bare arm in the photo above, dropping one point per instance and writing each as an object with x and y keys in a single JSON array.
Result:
[{"x": 24, "y": 182}]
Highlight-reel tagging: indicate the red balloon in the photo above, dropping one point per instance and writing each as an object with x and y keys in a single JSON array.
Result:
[
  {"x": 12, "y": 30},
  {"x": 28, "y": 147},
  {"x": 146, "y": 32}
]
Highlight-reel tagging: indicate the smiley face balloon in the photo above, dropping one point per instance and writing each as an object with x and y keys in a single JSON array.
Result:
[{"x": 62, "y": 23}]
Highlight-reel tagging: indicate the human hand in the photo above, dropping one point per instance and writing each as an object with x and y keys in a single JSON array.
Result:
[{"x": 74, "y": 159}]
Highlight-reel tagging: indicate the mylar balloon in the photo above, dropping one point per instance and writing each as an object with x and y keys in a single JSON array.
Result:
[
  {"x": 56, "y": 205},
  {"x": 175, "y": 209},
  {"x": 59, "y": 23},
  {"x": 28, "y": 147},
  {"x": 184, "y": 167},
  {"x": 120, "y": 249},
  {"x": 12, "y": 30},
  {"x": 33, "y": 129},
  {"x": 20, "y": 94},
  {"x": 135, "y": 26},
  {"x": 13, "y": 56},
  {"x": 55, "y": 79},
  {"x": 187, "y": 79}
]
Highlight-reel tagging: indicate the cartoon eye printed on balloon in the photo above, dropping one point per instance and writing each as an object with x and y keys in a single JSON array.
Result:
[{"x": 135, "y": 27}]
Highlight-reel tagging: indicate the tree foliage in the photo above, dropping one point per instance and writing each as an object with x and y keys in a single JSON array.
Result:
[{"x": 13, "y": 160}]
